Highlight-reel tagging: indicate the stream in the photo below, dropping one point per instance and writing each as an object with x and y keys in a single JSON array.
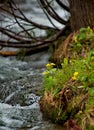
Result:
[
  {"x": 21, "y": 83},
  {"x": 20, "y": 89}
]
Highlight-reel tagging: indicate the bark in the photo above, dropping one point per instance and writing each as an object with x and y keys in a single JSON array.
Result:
[
  {"x": 9, "y": 53},
  {"x": 82, "y": 13}
]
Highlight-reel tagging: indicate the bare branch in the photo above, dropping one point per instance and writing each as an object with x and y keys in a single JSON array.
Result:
[
  {"x": 28, "y": 20},
  {"x": 28, "y": 43},
  {"x": 52, "y": 12},
  {"x": 45, "y": 12},
  {"x": 17, "y": 21},
  {"x": 13, "y": 36},
  {"x": 18, "y": 39},
  {"x": 63, "y": 5}
]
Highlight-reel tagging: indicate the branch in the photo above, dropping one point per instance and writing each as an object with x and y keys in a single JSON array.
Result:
[
  {"x": 44, "y": 27},
  {"x": 13, "y": 36},
  {"x": 28, "y": 43},
  {"x": 52, "y": 12},
  {"x": 17, "y": 21},
  {"x": 63, "y": 5},
  {"x": 45, "y": 12}
]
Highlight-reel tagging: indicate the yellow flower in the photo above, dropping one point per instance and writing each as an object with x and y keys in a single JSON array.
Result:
[
  {"x": 50, "y": 65},
  {"x": 74, "y": 78},
  {"x": 45, "y": 73},
  {"x": 75, "y": 73}
]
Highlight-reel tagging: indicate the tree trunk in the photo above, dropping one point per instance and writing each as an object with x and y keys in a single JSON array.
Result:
[{"x": 82, "y": 13}]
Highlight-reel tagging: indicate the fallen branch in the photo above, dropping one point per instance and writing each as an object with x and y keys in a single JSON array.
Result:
[
  {"x": 28, "y": 43},
  {"x": 9, "y": 53}
]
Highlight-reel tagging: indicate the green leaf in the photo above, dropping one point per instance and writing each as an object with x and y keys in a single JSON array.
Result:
[
  {"x": 83, "y": 30},
  {"x": 91, "y": 91},
  {"x": 65, "y": 61},
  {"x": 82, "y": 36}
]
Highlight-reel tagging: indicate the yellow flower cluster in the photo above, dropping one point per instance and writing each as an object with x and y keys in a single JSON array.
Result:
[
  {"x": 50, "y": 65},
  {"x": 45, "y": 73},
  {"x": 75, "y": 75}
]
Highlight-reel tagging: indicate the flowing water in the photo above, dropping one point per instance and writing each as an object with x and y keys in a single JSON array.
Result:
[{"x": 21, "y": 85}]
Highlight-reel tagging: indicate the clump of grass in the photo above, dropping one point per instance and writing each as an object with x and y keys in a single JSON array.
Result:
[
  {"x": 70, "y": 90},
  {"x": 80, "y": 70},
  {"x": 82, "y": 42}
]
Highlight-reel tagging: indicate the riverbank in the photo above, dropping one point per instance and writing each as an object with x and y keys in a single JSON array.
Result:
[{"x": 69, "y": 91}]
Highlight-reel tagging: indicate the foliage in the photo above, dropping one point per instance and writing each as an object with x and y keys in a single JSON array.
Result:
[
  {"x": 83, "y": 38},
  {"x": 76, "y": 77},
  {"x": 81, "y": 70},
  {"x": 84, "y": 35}
]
